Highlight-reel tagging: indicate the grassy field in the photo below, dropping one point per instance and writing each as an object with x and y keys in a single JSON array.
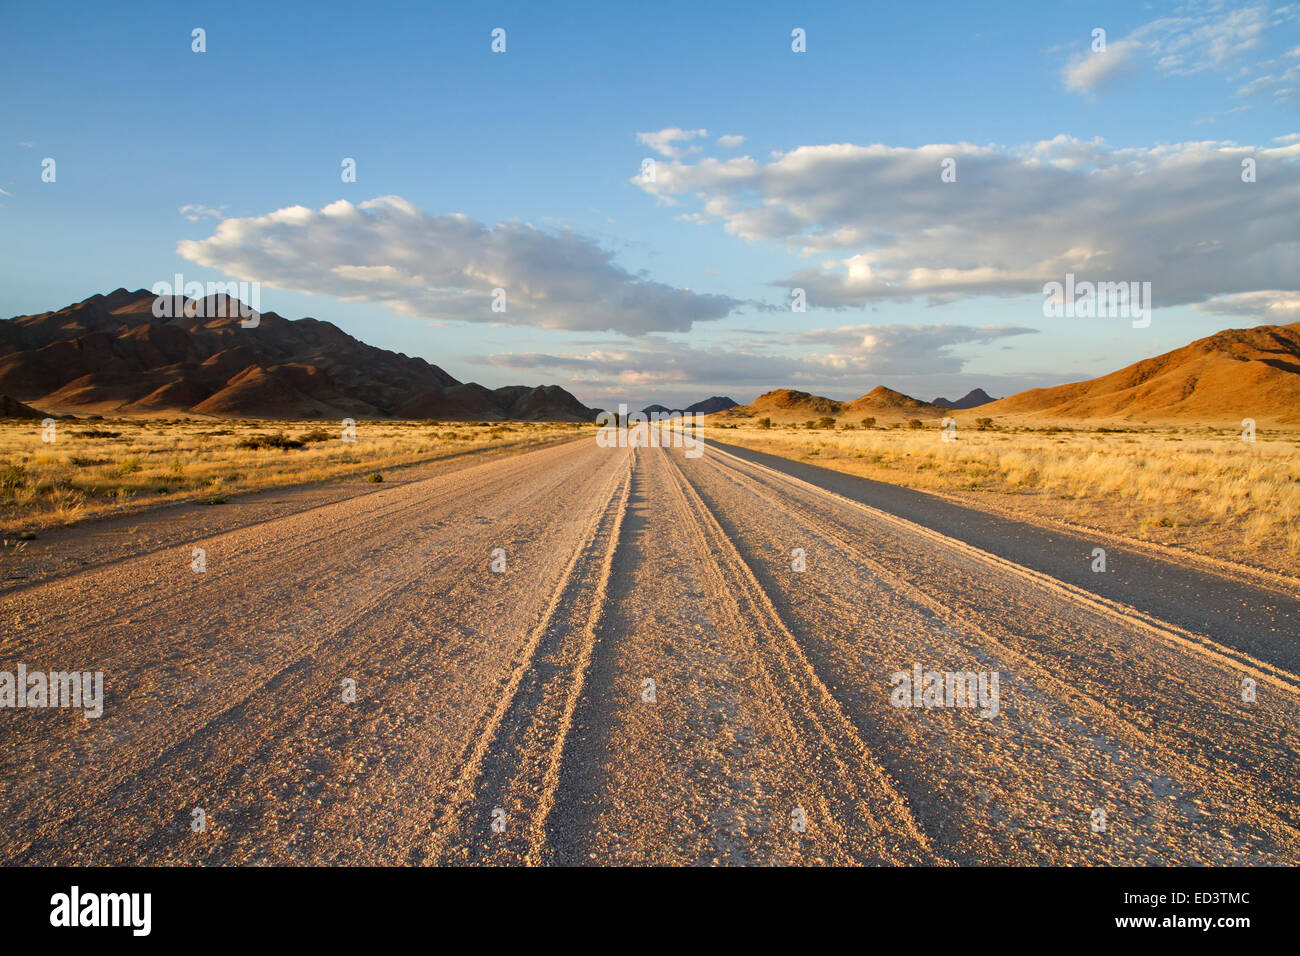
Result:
[
  {"x": 93, "y": 467},
  {"x": 1201, "y": 489}
]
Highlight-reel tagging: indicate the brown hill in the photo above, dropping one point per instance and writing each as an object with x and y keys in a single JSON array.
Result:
[
  {"x": 1220, "y": 379},
  {"x": 784, "y": 406},
  {"x": 110, "y": 355},
  {"x": 13, "y": 409},
  {"x": 886, "y": 400}
]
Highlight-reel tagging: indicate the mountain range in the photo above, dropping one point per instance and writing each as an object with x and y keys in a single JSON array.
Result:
[
  {"x": 717, "y": 403},
  {"x": 1220, "y": 380},
  {"x": 784, "y": 406},
  {"x": 972, "y": 399},
  {"x": 111, "y": 355}
]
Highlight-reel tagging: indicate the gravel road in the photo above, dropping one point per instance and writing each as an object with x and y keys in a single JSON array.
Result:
[{"x": 667, "y": 661}]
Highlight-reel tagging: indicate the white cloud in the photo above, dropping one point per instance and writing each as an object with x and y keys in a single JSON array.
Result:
[
  {"x": 1275, "y": 306},
  {"x": 854, "y": 354},
  {"x": 731, "y": 141},
  {"x": 1176, "y": 215},
  {"x": 1204, "y": 36},
  {"x": 1091, "y": 72},
  {"x": 196, "y": 211},
  {"x": 446, "y": 267},
  {"x": 1204, "y": 40},
  {"x": 663, "y": 141}
]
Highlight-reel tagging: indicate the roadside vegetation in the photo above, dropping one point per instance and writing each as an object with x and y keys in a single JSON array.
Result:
[{"x": 93, "y": 467}]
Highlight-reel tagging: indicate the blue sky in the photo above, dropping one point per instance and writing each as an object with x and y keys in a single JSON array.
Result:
[{"x": 521, "y": 170}]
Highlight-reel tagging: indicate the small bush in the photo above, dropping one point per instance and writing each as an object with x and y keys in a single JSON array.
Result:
[
  {"x": 279, "y": 440},
  {"x": 765, "y": 423},
  {"x": 868, "y": 422},
  {"x": 375, "y": 477},
  {"x": 915, "y": 423},
  {"x": 316, "y": 434},
  {"x": 983, "y": 424},
  {"x": 13, "y": 477}
]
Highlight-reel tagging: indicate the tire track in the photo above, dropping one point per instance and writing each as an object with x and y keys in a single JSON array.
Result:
[
  {"x": 1231, "y": 787},
  {"x": 263, "y": 700},
  {"x": 514, "y": 762},
  {"x": 859, "y": 800}
]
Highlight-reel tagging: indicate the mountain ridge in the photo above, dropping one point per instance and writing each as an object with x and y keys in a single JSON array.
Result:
[
  {"x": 1220, "y": 378},
  {"x": 707, "y": 406},
  {"x": 110, "y": 354},
  {"x": 972, "y": 399}
]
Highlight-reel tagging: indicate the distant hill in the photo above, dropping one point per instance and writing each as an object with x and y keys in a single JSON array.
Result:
[
  {"x": 881, "y": 399},
  {"x": 9, "y": 408},
  {"x": 110, "y": 355},
  {"x": 707, "y": 406},
  {"x": 1220, "y": 379},
  {"x": 972, "y": 399},
  {"x": 784, "y": 405}
]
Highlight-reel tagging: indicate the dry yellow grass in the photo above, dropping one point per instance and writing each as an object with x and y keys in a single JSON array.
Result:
[
  {"x": 1195, "y": 488},
  {"x": 96, "y": 466}
]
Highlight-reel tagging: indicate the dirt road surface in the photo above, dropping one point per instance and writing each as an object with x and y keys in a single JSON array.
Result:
[{"x": 668, "y": 661}]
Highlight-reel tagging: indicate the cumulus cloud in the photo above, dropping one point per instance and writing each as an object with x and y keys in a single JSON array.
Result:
[
  {"x": 731, "y": 141},
  {"x": 1274, "y": 306},
  {"x": 880, "y": 224},
  {"x": 663, "y": 142},
  {"x": 447, "y": 267}
]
